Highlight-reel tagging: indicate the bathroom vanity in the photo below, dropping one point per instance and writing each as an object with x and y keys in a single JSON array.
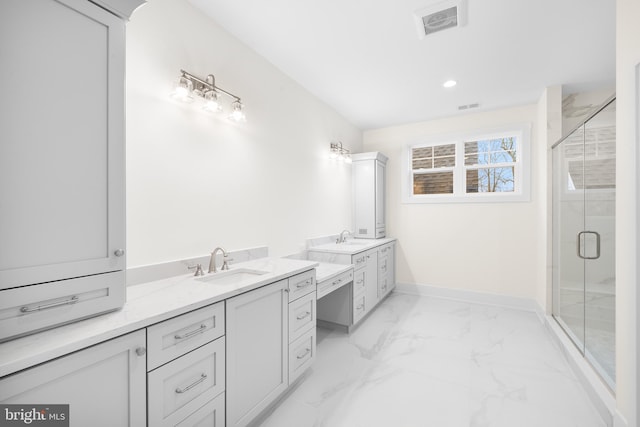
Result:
[{"x": 180, "y": 352}]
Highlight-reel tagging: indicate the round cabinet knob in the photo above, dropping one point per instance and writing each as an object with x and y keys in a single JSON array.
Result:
[
  {"x": 118, "y": 252},
  {"x": 141, "y": 351}
]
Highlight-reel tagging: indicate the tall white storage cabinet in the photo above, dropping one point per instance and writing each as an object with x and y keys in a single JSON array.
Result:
[
  {"x": 62, "y": 183},
  {"x": 369, "y": 195}
]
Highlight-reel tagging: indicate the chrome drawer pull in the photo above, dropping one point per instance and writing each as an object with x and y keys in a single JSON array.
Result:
[
  {"x": 360, "y": 307},
  {"x": 337, "y": 282},
  {"x": 193, "y": 384},
  {"x": 303, "y": 355},
  {"x": 304, "y": 285},
  {"x": 200, "y": 330},
  {"x": 74, "y": 299},
  {"x": 302, "y": 316}
]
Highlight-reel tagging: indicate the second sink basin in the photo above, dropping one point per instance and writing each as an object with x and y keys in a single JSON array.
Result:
[{"x": 231, "y": 277}]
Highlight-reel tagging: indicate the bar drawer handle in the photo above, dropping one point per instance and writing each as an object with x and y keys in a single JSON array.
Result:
[
  {"x": 200, "y": 330},
  {"x": 305, "y": 314},
  {"x": 303, "y": 355},
  {"x": 74, "y": 299},
  {"x": 360, "y": 307},
  {"x": 303, "y": 284},
  {"x": 192, "y": 385},
  {"x": 337, "y": 282}
]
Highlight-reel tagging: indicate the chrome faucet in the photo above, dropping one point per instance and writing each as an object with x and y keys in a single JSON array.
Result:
[
  {"x": 343, "y": 236},
  {"x": 225, "y": 259}
]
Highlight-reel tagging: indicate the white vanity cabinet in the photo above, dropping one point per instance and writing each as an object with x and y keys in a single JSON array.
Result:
[
  {"x": 104, "y": 385},
  {"x": 365, "y": 283},
  {"x": 257, "y": 351},
  {"x": 62, "y": 165},
  {"x": 186, "y": 361},
  {"x": 386, "y": 269},
  {"x": 302, "y": 323},
  {"x": 368, "y": 175}
]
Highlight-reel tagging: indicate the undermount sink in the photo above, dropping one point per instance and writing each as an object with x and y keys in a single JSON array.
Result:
[{"x": 231, "y": 277}]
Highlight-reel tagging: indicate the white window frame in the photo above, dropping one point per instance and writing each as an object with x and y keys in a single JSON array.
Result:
[{"x": 522, "y": 176}]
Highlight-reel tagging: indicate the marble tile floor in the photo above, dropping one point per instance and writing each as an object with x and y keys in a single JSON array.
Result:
[{"x": 422, "y": 361}]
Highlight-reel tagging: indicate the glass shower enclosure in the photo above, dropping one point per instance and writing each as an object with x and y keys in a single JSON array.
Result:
[{"x": 584, "y": 193}]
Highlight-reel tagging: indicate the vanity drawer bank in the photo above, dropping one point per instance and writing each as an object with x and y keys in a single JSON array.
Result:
[
  {"x": 161, "y": 359},
  {"x": 373, "y": 264}
]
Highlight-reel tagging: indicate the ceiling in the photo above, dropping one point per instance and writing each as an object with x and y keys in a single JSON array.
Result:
[{"x": 364, "y": 57}]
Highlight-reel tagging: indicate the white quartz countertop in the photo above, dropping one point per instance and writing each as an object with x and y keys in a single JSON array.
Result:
[
  {"x": 147, "y": 303},
  {"x": 326, "y": 270},
  {"x": 351, "y": 246}
]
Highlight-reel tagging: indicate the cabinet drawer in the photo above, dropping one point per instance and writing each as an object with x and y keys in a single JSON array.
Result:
[
  {"x": 385, "y": 250},
  {"x": 302, "y": 353},
  {"x": 358, "y": 282},
  {"x": 383, "y": 265},
  {"x": 210, "y": 415},
  {"x": 179, "y": 388},
  {"x": 302, "y": 316},
  {"x": 359, "y": 260},
  {"x": 31, "y": 308},
  {"x": 302, "y": 284},
  {"x": 174, "y": 337},
  {"x": 331, "y": 285},
  {"x": 384, "y": 285},
  {"x": 359, "y": 307}
]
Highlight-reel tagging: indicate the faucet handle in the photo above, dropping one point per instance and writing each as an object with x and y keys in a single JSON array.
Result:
[
  {"x": 225, "y": 262},
  {"x": 198, "y": 268}
]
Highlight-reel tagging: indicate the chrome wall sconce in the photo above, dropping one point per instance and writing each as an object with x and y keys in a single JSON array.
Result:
[
  {"x": 337, "y": 151},
  {"x": 188, "y": 87}
]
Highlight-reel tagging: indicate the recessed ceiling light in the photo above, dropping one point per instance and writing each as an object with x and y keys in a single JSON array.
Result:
[{"x": 449, "y": 83}]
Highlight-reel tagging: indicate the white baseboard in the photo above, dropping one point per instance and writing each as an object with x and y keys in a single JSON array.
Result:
[{"x": 518, "y": 303}]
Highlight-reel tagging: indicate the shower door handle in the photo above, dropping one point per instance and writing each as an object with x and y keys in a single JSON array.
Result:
[{"x": 579, "y": 244}]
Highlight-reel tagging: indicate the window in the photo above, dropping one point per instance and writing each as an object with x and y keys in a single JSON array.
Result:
[{"x": 489, "y": 166}]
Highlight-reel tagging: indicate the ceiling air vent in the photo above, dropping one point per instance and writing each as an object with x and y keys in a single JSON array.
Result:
[
  {"x": 468, "y": 106},
  {"x": 439, "y": 16}
]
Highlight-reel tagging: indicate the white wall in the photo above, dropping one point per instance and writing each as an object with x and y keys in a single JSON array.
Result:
[
  {"x": 195, "y": 182},
  {"x": 627, "y": 213},
  {"x": 486, "y": 247}
]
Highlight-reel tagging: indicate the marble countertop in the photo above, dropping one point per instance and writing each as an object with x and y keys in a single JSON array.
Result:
[
  {"x": 351, "y": 246},
  {"x": 326, "y": 271},
  {"x": 146, "y": 304}
]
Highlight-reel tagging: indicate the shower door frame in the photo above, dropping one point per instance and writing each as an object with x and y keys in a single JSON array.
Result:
[{"x": 580, "y": 342}]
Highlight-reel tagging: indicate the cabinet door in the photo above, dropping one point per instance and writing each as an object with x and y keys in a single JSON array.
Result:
[
  {"x": 364, "y": 199},
  {"x": 257, "y": 351},
  {"x": 62, "y": 133},
  {"x": 104, "y": 385}
]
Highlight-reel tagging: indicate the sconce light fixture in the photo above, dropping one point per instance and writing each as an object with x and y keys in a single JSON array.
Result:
[
  {"x": 188, "y": 86},
  {"x": 337, "y": 151}
]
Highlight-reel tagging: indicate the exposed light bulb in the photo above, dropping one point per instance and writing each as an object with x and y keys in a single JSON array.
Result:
[
  {"x": 183, "y": 90},
  {"x": 211, "y": 103},
  {"x": 237, "y": 114}
]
